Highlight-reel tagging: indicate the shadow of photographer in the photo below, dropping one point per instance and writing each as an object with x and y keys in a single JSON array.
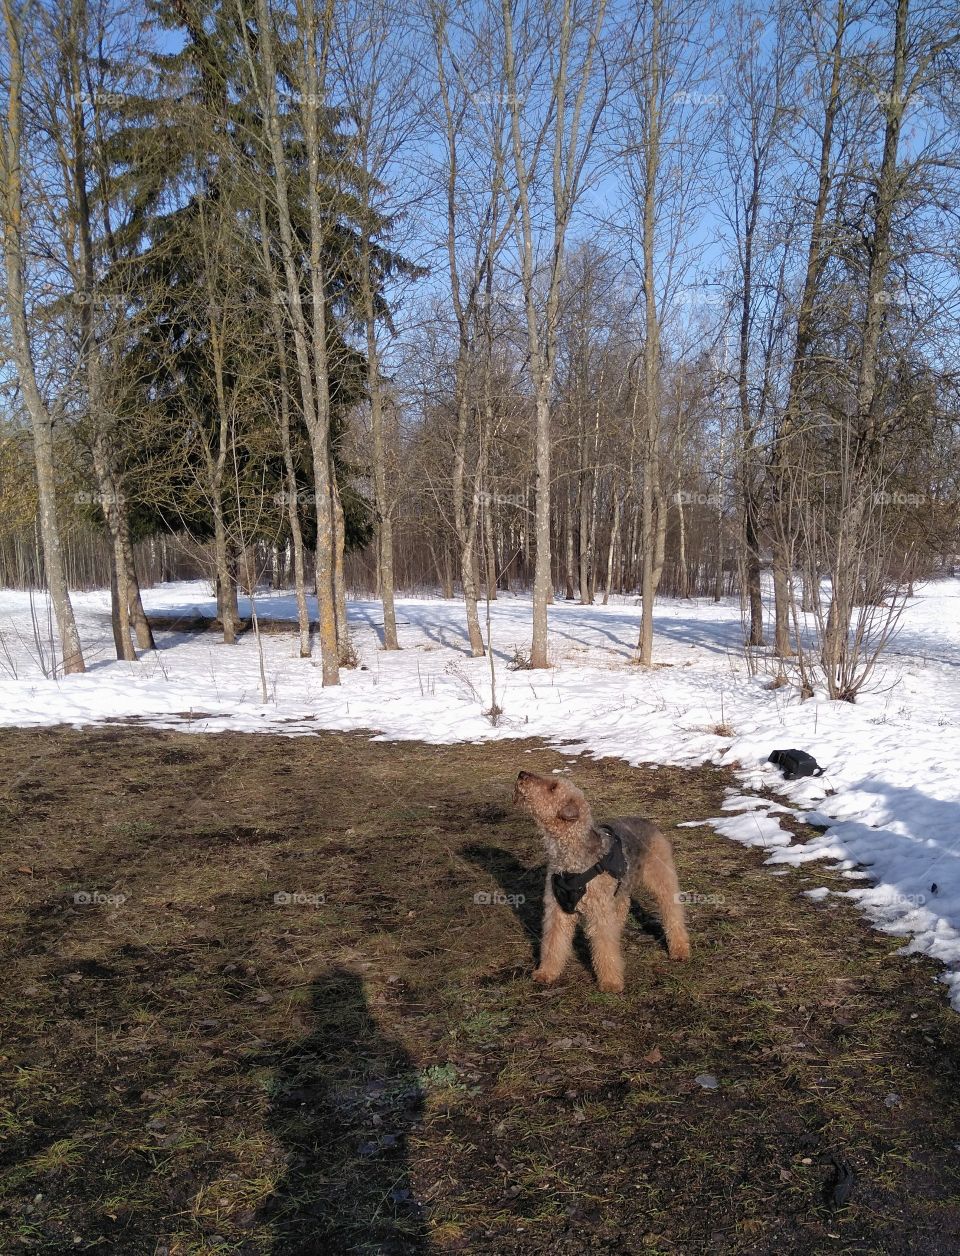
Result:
[{"x": 342, "y": 1102}]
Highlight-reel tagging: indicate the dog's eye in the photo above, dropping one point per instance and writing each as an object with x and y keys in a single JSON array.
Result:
[{"x": 553, "y": 786}]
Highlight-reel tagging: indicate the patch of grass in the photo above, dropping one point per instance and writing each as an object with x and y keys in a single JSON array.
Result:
[{"x": 367, "y": 1067}]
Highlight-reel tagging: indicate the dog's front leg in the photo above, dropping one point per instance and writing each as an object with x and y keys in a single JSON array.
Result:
[
  {"x": 603, "y": 924},
  {"x": 558, "y": 930}
]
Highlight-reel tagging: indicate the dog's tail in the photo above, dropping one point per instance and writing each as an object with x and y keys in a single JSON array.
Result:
[{"x": 659, "y": 876}]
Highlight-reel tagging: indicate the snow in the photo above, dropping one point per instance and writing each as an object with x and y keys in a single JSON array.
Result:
[{"x": 888, "y": 803}]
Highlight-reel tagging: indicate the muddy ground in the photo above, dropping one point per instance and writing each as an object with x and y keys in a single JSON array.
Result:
[{"x": 362, "y": 1065}]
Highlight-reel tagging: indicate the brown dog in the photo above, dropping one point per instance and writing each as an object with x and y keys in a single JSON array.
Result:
[{"x": 592, "y": 871}]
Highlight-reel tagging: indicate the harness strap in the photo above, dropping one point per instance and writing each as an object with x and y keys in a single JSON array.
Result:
[{"x": 570, "y": 887}]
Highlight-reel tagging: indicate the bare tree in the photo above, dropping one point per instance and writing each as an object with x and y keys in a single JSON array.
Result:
[
  {"x": 309, "y": 335},
  {"x": 482, "y": 236},
  {"x": 758, "y": 111},
  {"x": 14, "y": 223},
  {"x": 666, "y": 123},
  {"x": 555, "y": 108},
  {"x": 917, "y": 61},
  {"x": 291, "y": 495},
  {"x": 826, "y": 38},
  {"x": 378, "y": 76}
]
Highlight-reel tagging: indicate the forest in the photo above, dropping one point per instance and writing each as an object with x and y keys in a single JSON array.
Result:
[{"x": 580, "y": 298}]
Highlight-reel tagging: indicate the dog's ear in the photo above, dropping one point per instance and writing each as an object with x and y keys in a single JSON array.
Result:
[{"x": 570, "y": 810}]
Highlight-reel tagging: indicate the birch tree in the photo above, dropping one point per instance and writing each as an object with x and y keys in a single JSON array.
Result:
[
  {"x": 756, "y": 118},
  {"x": 920, "y": 58},
  {"x": 555, "y": 104},
  {"x": 378, "y": 77},
  {"x": 826, "y": 39},
  {"x": 19, "y": 23},
  {"x": 667, "y": 119},
  {"x": 312, "y": 31}
]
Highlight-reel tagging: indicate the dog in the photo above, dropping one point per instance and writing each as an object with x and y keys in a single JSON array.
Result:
[{"x": 592, "y": 872}]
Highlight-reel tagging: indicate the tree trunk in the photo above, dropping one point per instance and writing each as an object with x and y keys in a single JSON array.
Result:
[
  {"x": 611, "y": 551},
  {"x": 542, "y": 573},
  {"x": 816, "y": 257},
  {"x": 40, "y": 419},
  {"x": 749, "y": 504},
  {"x": 752, "y": 565},
  {"x": 651, "y": 343},
  {"x": 465, "y": 522},
  {"x": 589, "y": 480},
  {"x": 383, "y": 507},
  {"x": 569, "y": 545},
  {"x": 592, "y": 564},
  {"x": 311, "y": 366},
  {"x": 782, "y": 645},
  {"x": 113, "y": 511},
  {"x": 291, "y": 496},
  {"x": 226, "y": 588},
  {"x": 846, "y": 548},
  {"x": 138, "y": 615},
  {"x": 344, "y": 647},
  {"x": 115, "y": 622},
  {"x": 490, "y": 548},
  {"x": 660, "y": 543},
  {"x": 684, "y": 580}
]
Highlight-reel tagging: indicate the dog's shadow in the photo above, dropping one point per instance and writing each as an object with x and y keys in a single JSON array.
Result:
[
  {"x": 523, "y": 888},
  {"x": 649, "y": 923}
]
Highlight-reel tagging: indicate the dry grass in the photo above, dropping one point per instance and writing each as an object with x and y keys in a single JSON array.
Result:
[{"x": 200, "y": 1069}]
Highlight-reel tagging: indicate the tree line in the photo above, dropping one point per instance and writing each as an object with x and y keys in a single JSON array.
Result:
[{"x": 572, "y": 296}]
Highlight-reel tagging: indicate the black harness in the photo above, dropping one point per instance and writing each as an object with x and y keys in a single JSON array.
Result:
[{"x": 570, "y": 887}]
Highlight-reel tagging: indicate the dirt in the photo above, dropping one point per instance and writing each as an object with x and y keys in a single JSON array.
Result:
[{"x": 362, "y": 1065}]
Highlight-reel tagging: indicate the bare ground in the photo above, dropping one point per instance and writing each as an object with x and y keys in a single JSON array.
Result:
[{"x": 200, "y": 1068}]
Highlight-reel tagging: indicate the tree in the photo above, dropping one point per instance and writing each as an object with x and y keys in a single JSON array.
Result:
[
  {"x": 13, "y": 140},
  {"x": 756, "y": 119},
  {"x": 555, "y": 107},
  {"x": 376, "y": 74},
  {"x": 663, "y": 133}
]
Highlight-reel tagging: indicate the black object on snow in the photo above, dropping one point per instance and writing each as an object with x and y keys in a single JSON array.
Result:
[{"x": 795, "y": 763}]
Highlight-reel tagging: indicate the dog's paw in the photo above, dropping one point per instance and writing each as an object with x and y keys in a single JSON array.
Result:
[
  {"x": 543, "y": 978},
  {"x": 679, "y": 950},
  {"x": 611, "y": 987}
]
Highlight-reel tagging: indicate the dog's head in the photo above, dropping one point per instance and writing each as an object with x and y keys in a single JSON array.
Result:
[{"x": 555, "y": 803}]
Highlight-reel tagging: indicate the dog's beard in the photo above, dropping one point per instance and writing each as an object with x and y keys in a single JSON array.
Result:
[{"x": 569, "y": 852}]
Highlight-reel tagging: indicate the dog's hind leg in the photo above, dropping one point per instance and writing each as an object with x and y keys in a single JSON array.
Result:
[
  {"x": 555, "y": 946},
  {"x": 659, "y": 876}
]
